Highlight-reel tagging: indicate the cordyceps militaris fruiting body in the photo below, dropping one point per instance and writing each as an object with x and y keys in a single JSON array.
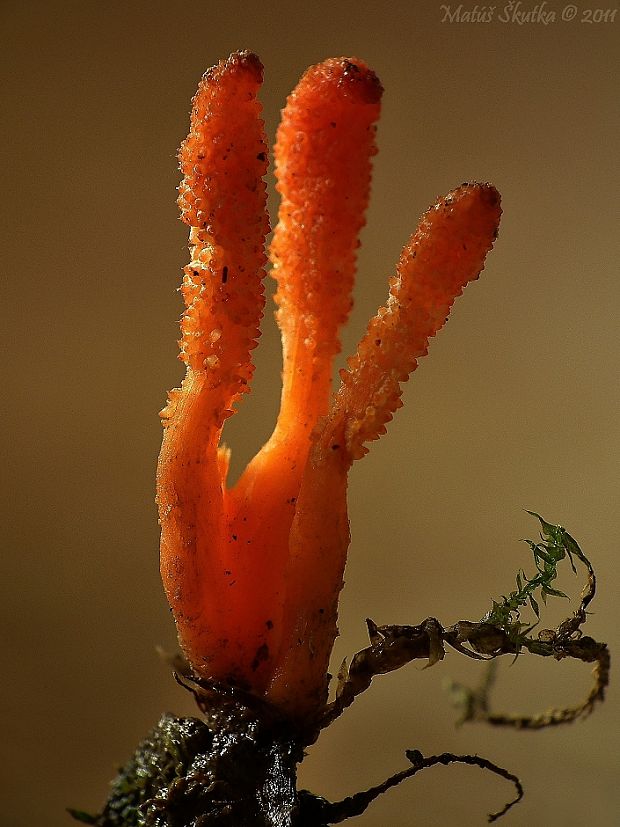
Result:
[{"x": 253, "y": 572}]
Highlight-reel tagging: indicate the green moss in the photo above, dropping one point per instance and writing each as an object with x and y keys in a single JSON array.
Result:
[{"x": 164, "y": 756}]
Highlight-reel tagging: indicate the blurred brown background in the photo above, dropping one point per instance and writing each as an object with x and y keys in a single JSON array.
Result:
[{"x": 515, "y": 407}]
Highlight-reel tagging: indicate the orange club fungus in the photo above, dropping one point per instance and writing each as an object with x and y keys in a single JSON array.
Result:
[{"x": 253, "y": 572}]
